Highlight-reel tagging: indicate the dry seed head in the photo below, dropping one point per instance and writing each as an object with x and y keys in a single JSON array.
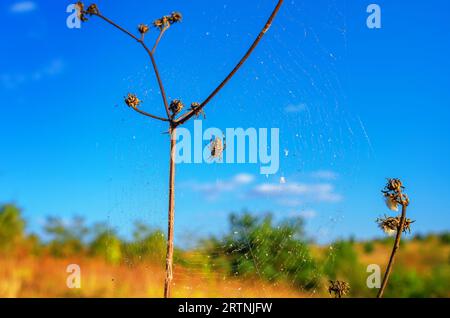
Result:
[
  {"x": 161, "y": 23},
  {"x": 391, "y": 201},
  {"x": 143, "y": 28},
  {"x": 79, "y": 7},
  {"x": 132, "y": 101},
  {"x": 338, "y": 288},
  {"x": 176, "y": 106},
  {"x": 390, "y": 225},
  {"x": 92, "y": 9},
  {"x": 394, "y": 185},
  {"x": 175, "y": 17}
]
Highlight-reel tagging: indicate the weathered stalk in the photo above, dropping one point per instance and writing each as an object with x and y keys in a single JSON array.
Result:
[
  {"x": 394, "y": 252},
  {"x": 171, "y": 215}
]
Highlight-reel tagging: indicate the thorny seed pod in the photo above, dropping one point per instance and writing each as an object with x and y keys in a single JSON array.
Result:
[
  {"x": 161, "y": 23},
  {"x": 132, "y": 101},
  {"x": 195, "y": 107},
  {"x": 394, "y": 196},
  {"x": 79, "y": 7},
  {"x": 175, "y": 17},
  {"x": 390, "y": 225},
  {"x": 394, "y": 185},
  {"x": 92, "y": 9},
  {"x": 338, "y": 288},
  {"x": 143, "y": 28},
  {"x": 176, "y": 106}
]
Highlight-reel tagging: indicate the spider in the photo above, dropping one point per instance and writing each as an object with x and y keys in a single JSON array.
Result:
[{"x": 217, "y": 147}]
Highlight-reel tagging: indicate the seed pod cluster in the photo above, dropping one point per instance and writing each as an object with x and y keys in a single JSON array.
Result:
[
  {"x": 167, "y": 20},
  {"x": 176, "y": 106},
  {"x": 338, "y": 288},
  {"x": 132, "y": 100}
]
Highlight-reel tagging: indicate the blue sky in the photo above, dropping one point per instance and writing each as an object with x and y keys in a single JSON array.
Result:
[{"x": 354, "y": 106}]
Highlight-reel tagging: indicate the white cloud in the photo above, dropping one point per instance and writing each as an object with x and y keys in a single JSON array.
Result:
[
  {"x": 305, "y": 214},
  {"x": 292, "y": 109},
  {"x": 23, "y": 6},
  {"x": 297, "y": 192},
  {"x": 324, "y": 174},
  {"x": 212, "y": 190}
]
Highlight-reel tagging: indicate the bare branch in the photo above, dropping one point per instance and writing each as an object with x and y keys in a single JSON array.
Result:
[
  {"x": 117, "y": 26},
  {"x": 158, "y": 77},
  {"x": 158, "y": 39},
  {"x": 155, "y": 68},
  {"x": 150, "y": 115},
  {"x": 187, "y": 116}
]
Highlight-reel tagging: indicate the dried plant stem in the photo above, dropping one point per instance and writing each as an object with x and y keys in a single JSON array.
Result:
[
  {"x": 161, "y": 33},
  {"x": 174, "y": 123},
  {"x": 171, "y": 216},
  {"x": 394, "y": 252}
]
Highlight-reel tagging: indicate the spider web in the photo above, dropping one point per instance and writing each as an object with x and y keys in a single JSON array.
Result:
[{"x": 294, "y": 81}]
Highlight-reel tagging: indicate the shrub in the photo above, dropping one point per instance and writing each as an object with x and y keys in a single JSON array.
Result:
[
  {"x": 106, "y": 244},
  {"x": 12, "y": 227},
  {"x": 257, "y": 246}
]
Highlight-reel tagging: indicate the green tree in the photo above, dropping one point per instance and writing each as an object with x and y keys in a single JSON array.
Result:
[
  {"x": 66, "y": 239},
  {"x": 12, "y": 227},
  {"x": 147, "y": 243},
  {"x": 106, "y": 244}
]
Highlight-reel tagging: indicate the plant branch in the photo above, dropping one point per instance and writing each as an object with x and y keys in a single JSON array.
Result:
[
  {"x": 394, "y": 251},
  {"x": 158, "y": 77},
  {"x": 155, "y": 67},
  {"x": 188, "y": 115},
  {"x": 161, "y": 33},
  {"x": 149, "y": 115},
  {"x": 117, "y": 26}
]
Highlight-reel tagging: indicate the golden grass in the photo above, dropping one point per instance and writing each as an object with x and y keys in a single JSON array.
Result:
[{"x": 46, "y": 277}]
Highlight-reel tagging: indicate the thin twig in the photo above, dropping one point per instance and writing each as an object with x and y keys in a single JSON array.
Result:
[
  {"x": 159, "y": 39},
  {"x": 158, "y": 77},
  {"x": 150, "y": 115},
  {"x": 188, "y": 115},
  {"x": 117, "y": 26}
]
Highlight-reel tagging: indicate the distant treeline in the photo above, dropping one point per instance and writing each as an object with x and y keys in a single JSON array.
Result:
[{"x": 255, "y": 247}]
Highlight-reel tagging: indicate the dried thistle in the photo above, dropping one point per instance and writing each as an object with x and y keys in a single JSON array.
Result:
[
  {"x": 143, "y": 28},
  {"x": 390, "y": 225},
  {"x": 132, "y": 100},
  {"x": 79, "y": 7},
  {"x": 391, "y": 201},
  {"x": 92, "y": 9},
  {"x": 175, "y": 17},
  {"x": 161, "y": 23},
  {"x": 195, "y": 107},
  {"x": 176, "y": 106},
  {"x": 393, "y": 193},
  {"x": 394, "y": 196},
  {"x": 338, "y": 288},
  {"x": 167, "y": 20}
]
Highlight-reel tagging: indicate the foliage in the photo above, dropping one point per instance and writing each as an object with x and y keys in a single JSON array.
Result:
[
  {"x": 258, "y": 247},
  {"x": 106, "y": 244},
  {"x": 147, "y": 243},
  {"x": 66, "y": 238},
  {"x": 12, "y": 227}
]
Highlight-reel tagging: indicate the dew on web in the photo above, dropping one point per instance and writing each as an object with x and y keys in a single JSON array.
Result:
[{"x": 293, "y": 82}]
